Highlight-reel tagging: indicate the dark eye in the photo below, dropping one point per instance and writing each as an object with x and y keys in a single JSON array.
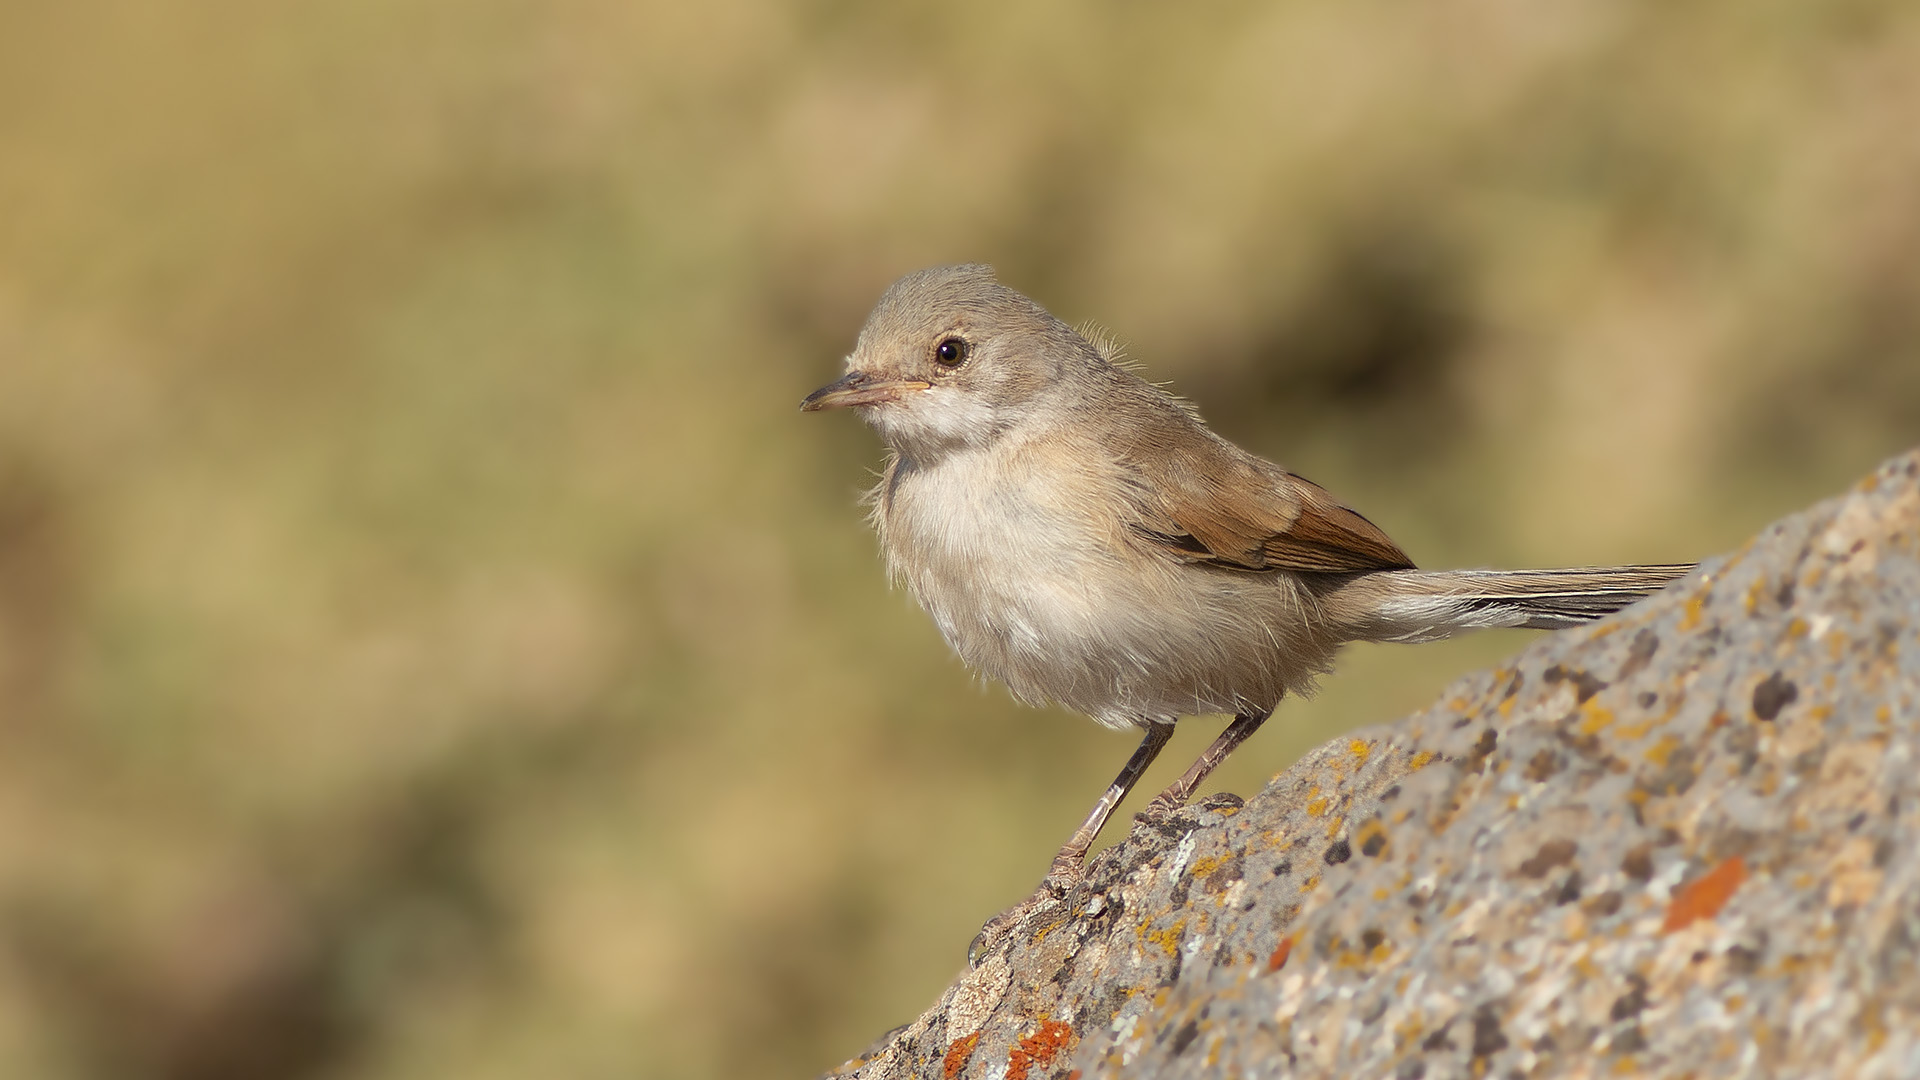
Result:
[{"x": 951, "y": 352}]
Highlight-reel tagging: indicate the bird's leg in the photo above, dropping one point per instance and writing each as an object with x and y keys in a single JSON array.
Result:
[
  {"x": 1071, "y": 862},
  {"x": 1181, "y": 790}
]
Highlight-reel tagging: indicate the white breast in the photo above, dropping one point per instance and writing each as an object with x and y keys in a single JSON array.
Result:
[
  {"x": 996, "y": 548},
  {"x": 1035, "y": 580}
]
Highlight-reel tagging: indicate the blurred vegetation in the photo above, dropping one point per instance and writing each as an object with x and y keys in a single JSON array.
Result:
[{"x": 433, "y": 645}]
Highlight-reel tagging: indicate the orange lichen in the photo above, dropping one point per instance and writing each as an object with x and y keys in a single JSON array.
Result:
[
  {"x": 1703, "y": 897},
  {"x": 1039, "y": 1048},
  {"x": 1691, "y": 612},
  {"x": 1279, "y": 958},
  {"x": 959, "y": 1052},
  {"x": 1594, "y": 718},
  {"x": 1420, "y": 759},
  {"x": 1633, "y": 731},
  {"x": 1360, "y": 750},
  {"x": 1660, "y": 751},
  {"x": 1168, "y": 938},
  {"x": 1203, "y": 867}
]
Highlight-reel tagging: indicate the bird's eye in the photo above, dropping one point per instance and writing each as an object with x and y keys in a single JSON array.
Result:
[{"x": 951, "y": 352}]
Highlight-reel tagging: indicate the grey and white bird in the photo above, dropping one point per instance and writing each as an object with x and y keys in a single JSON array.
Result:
[{"x": 1082, "y": 536}]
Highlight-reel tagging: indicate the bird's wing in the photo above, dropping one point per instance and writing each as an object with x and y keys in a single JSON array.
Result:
[{"x": 1204, "y": 500}]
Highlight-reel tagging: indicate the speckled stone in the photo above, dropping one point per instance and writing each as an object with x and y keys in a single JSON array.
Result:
[{"x": 1684, "y": 841}]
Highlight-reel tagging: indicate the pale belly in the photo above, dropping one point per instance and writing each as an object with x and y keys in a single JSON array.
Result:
[{"x": 1061, "y": 605}]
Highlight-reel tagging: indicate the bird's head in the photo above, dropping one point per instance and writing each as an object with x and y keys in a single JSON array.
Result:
[{"x": 951, "y": 358}]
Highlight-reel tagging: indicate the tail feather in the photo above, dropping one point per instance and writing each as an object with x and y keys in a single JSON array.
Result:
[{"x": 1422, "y": 605}]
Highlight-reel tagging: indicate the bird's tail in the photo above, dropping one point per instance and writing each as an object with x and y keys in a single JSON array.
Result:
[{"x": 1422, "y": 605}]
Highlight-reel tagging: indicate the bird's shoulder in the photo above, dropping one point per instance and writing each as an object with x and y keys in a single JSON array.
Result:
[{"x": 1196, "y": 497}]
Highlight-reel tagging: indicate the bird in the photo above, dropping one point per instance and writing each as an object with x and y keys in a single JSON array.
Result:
[{"x": 1081, "y": 535}]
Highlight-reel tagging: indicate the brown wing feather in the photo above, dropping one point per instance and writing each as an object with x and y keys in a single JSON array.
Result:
[
  {"x": 1332, "y": 537},
  {"x": 1204, "y": 500}
]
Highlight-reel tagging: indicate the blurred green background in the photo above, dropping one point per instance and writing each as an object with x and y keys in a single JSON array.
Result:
[{"x": 433, "y": 645}]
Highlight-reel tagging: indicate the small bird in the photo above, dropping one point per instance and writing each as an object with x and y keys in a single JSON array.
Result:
[{"x": 1082, "y": 536}]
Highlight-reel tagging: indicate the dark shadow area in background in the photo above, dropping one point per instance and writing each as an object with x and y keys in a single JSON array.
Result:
[
  {"x": 294, "y": 966},
  {"x": 1366, "y": 348}
]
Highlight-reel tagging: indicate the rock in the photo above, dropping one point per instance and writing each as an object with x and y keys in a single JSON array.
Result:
[{"x": 1683, "y": 840}]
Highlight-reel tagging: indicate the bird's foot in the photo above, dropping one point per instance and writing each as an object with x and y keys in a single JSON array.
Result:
[
  {"x": 1164, "y": 810},
  {"x": 1068, "y": 869},
  {"x": 1158, "y": 810},
  {"x": 1048, "y": 902}
]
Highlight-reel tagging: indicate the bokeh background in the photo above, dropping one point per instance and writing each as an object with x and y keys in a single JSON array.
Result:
[{"x": 433, "y": 645}]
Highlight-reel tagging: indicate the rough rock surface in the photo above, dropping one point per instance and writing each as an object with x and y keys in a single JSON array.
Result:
[{"x": 1683, "y": 841}]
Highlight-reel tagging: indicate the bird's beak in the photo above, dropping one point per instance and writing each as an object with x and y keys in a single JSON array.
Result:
[{"x": 860, "y": 388}]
